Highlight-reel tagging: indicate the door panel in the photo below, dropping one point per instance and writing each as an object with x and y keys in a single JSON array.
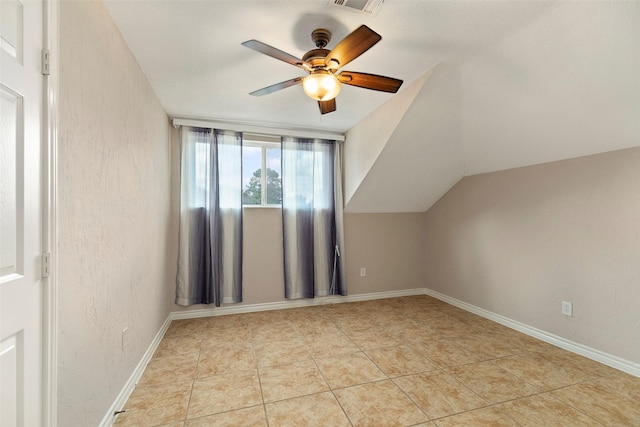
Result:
[
  {"x": 11, "y": 376},
  {"x": 11, "y": 29},
  {"x": 21, "y": 213},
  {"x": 11, "y": 239}
]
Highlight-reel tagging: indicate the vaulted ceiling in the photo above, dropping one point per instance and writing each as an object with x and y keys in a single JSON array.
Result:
[{"x": 488, "y": 85}]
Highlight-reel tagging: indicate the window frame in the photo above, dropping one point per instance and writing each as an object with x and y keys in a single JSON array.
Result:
[{"x": 264, "y": 143}]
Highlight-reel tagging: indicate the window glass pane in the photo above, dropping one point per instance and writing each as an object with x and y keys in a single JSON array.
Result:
[
  {"x": 274, "y": 185},
  {"x": 251, "y": 175},
  {"x": 323, "y": 176},
  {"x": 229, "y": 157},
  {"x": 200, "y": 193},
  {"x": 299, "y": 180}
]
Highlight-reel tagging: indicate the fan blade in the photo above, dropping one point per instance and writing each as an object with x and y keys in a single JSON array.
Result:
[
  {"x": 370, "y": 81},
  {"x": 273, "y": 52},
  {"x": 278, "y": 86},
  {"x": 327, "y": 106},
  {"x": 352, "y": 46}
]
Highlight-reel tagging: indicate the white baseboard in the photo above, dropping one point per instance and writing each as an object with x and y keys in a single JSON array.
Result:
[
  {"x": 591, "y": 353},
  {"x": 583, "y": 350},
  {"x": 278, "y": 305},
  {"x": 126, "y": 391}
]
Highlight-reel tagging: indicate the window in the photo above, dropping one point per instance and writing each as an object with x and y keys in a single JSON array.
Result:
[{"x": 261, "y": 170}]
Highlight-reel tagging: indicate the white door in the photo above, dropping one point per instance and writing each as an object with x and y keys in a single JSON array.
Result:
[{"x": 21, "y": 212}]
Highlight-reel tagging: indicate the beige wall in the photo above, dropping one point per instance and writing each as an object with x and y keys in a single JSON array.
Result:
[
  {"x": 514, "y": 242},
  {"x": 114, "y": 212},
  {"x": 520, "y": 241},
  {"x": 389, "y": 246},
  {"x": 262, "y": 264}
]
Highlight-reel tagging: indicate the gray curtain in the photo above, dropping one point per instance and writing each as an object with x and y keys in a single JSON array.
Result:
[
  {"x": 341, "y": 270},
  {"x": 210, "y": 246},
  {"x": 312, "y": 218}
]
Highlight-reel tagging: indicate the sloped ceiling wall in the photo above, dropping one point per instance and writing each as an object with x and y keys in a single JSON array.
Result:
[
  {"x": 421, "y": 159},
  {"x": 563, "y": 86},
  {"x": 368, "y": 139}
]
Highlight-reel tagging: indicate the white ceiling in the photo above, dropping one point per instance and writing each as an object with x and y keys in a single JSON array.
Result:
[
  {"x": 512, "y": 83},
  {"x": 563, "y": 85},
  {"x": 191, "y": 52}
]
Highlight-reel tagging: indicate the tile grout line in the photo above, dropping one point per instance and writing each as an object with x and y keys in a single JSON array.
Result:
[
  {"x": 571, "y": 366},
  {"x": 257, "y": 368},
  {"x": 331, "y": 390}
]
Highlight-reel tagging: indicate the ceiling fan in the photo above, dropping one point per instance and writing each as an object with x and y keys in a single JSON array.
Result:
[{"x": 323, "y": 82}]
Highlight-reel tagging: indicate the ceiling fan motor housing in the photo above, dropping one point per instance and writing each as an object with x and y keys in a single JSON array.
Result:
[
  {"x": 315, "y": 57},
  {"x": 321, "y": 37},
  {"x": 323, "y": 82}
]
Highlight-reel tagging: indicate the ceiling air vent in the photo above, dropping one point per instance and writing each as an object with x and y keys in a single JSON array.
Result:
[{"x": 370, "y": 7}]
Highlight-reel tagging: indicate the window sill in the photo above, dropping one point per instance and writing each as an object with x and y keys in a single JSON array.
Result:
[{"x": 261, "y": 207}]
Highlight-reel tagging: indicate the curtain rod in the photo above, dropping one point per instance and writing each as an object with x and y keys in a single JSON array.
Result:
[{"x": 276, "y": 131}]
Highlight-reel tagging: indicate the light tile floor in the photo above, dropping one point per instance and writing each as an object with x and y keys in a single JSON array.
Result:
[{"x": 411, "y": 361}]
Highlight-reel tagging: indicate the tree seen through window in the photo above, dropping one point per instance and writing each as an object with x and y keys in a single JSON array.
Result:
[
  {"x": 252, "y": 194},
  {"x": 261, "y": 170}
]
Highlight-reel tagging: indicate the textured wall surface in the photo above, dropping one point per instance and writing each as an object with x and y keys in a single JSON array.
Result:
[
  {"x": 520, "y": 241},
  {"x": 114, "y": 171},
  {"x": 515, "y": 242},
  {"x": 367, "y": 139},
  {"x": 417, "y": 164},
  {"x": 389, "y": 246}
]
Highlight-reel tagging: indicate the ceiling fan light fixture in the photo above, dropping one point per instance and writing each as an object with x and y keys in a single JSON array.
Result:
[{"x": 321, "y": 85}]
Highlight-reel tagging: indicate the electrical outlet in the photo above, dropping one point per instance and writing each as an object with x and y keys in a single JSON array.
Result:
[
  {"x": 567, "y": 308},
  {"x": 125, "y": 338},
  {"x": 363, "y": 272}
]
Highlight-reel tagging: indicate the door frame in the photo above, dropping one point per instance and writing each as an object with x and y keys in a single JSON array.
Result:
[{"x": 49, "y": 164}]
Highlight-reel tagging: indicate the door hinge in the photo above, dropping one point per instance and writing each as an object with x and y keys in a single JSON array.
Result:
[
  {"x": 46, "y": 62},
  {"x": 46, "y": 264}
]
